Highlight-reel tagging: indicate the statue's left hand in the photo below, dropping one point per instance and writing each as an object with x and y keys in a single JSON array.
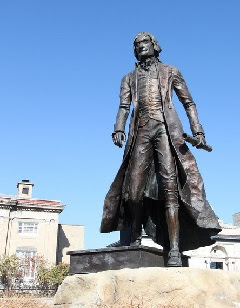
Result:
[{"x": 201, "y": 140}]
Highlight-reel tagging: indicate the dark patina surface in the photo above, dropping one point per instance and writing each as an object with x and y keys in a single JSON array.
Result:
[
  {"x": 115, "y": 258},
  {"x": 158, "y": 185}
]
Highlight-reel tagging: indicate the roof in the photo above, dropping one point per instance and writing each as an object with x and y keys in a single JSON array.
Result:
[
  {"x": 231, "y": 238},
  {"x": 31, "y": 204}
]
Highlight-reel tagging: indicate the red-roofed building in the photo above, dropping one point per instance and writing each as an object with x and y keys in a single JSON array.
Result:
[{"x": 29, "y": 227}]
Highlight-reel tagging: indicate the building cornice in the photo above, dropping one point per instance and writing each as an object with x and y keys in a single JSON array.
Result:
[
  {"x": 38, "y": 205},
  {"x": 228, "y": 238}
]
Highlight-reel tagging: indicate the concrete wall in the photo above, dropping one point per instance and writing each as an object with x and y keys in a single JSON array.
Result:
[
  {"x": 4, "y": 219},
  {"x": 70, "y": 237},
  {"x": 236, "y": 219}
]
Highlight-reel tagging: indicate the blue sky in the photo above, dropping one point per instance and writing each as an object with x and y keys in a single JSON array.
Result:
[{"x": 61, "y": 63}]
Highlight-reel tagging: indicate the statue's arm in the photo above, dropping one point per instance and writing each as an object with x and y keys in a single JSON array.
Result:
[
  {"x": 185, "y": 98},
  {"x": 123, "y": 112}
]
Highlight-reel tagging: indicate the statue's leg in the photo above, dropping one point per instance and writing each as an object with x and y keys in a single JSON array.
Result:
[
  {"x": 140, "y": 162},
  {"x": 125, "y": 237},
  {"x": 173, "y": 228},
  {"x": 167, "y": 171}
]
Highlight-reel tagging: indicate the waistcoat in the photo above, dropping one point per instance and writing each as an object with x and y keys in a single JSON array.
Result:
[{"x": 149, "y": 96}]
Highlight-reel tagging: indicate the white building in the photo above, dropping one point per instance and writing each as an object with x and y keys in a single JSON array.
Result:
[
  {"x": 29, "y": 228},
  {"x": 224, "y": 254}
]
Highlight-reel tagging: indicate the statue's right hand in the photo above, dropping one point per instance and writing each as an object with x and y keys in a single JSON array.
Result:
[{"x": 118, "y": 137}]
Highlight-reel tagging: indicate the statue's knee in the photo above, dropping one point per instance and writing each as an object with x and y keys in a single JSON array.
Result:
[{"x": 134, "y": 197}]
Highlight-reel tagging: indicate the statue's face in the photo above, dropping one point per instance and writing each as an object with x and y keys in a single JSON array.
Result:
[{"x": 144, "y": 47}]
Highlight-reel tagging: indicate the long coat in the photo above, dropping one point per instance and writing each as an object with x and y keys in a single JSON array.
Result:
[{"x": 196, "y": 217}]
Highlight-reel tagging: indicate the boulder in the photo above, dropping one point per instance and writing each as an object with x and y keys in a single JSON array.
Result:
[{"x": 151, "y": 287}]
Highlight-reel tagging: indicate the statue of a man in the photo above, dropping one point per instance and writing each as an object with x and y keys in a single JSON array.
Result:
[{"x": 158, "y": 185}]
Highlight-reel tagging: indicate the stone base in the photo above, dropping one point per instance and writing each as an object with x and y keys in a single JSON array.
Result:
[
  {"x": 114, "y": 258},
  {"x": 151, "y": 287}
]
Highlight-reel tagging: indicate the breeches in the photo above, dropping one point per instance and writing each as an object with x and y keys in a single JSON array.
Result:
[{"x": 152, "y": 142}]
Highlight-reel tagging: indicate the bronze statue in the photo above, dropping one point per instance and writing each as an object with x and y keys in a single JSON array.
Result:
[{"x": 158, "y": 185}]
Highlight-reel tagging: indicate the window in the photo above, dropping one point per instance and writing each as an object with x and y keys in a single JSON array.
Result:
[
  {"x": 216, "y": 265},
  {"x": 28, "y": 260},
  {"x": 25, "y": 190},
  {"x": 27, "y": 227}
]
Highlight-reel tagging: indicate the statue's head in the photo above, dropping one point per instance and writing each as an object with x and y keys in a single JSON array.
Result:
[{"x": 145, "y": 45}]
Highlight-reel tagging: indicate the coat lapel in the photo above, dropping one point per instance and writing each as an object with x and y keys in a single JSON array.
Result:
[
  {"x": 163, "y": 80},
  {"x": 133, "y": 85}
]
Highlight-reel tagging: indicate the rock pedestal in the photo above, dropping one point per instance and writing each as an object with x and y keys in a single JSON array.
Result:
[{"x": 151, "y": 287}]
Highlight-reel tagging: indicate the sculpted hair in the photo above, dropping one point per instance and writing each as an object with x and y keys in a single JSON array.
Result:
[{"x": 156, "y": 46}]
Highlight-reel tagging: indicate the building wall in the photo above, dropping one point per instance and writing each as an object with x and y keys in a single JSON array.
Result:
[
  {"x": 236, "y": 219},
  {"x": 4, "y": 219},
  {"x": 70, "y": 237},
  {"x": 44, "y": 241},
  {"x": 29, "y": 228},
  {"x": 223, "y": 251}
]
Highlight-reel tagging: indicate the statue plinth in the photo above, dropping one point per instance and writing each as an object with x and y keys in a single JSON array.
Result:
[{"x": 116, "y": 258}]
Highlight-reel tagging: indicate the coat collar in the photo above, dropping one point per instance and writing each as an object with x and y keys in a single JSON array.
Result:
[{"x": 147, "y": 63}]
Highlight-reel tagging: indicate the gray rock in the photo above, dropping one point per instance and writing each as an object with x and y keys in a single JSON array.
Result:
[{"x": 151, "y": 287}]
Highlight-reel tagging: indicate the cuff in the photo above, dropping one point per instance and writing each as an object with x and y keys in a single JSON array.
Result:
[{"x": 197, "y": 128}]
